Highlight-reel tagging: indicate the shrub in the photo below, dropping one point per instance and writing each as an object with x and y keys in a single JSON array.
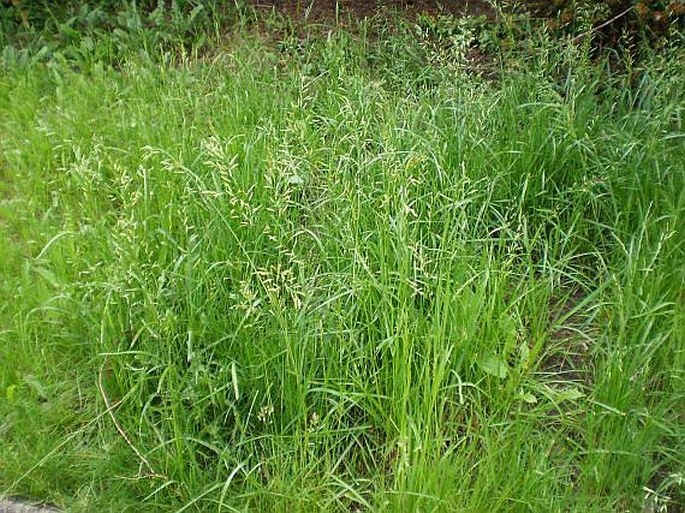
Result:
[{"x": 654, "y": 20}]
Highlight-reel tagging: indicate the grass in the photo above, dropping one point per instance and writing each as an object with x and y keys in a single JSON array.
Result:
[{"x": 330, "y": 276}]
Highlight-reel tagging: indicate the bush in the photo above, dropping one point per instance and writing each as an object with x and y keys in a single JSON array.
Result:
[
  {"x": 109, "y": 30},
  {"x": 653, "y": 20}
]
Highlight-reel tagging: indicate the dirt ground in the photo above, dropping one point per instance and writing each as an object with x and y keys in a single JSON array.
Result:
[{"x": 338, "y": 11}]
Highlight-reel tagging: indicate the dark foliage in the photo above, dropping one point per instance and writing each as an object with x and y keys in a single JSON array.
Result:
[{"x": 614, "y": 20}]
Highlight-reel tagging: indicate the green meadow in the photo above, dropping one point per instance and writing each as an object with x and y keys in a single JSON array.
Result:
[{"x": 340, "y": 271}]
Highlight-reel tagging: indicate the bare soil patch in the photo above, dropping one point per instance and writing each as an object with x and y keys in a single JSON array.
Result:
[{"x": 332, "y": 12}]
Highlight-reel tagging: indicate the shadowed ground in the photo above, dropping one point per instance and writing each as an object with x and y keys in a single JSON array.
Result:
[{"x": 328, "y": 11}]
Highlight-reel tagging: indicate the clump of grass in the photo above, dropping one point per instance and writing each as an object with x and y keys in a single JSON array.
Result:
[{"x": 315, "y": 282}]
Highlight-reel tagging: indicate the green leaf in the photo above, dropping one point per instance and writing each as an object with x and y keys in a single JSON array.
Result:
[
  {"x": 11, "y": 392},
  {"x": 570, "y": 394},
  {"x": 528, "y": 398},
  {"x": 48, "y": 275},
  {"x": 494, "y": 366}
]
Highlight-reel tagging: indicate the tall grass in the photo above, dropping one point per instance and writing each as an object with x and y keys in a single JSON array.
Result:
[{"x": 333, "y": 278}]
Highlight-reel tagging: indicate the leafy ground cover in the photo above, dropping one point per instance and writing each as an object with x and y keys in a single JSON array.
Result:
[{"x": 339, "y": 272}]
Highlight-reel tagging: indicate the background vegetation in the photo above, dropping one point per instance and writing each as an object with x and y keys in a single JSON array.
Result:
[{"x": 342, "y": 271}]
